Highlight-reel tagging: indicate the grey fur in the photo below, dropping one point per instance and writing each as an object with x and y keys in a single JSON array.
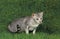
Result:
[{"x": 27, "y": 23}]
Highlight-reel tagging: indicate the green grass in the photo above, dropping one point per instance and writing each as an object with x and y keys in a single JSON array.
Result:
[
  {"x": 12, "y": 9},
  {"x": 38, "y": 35}
]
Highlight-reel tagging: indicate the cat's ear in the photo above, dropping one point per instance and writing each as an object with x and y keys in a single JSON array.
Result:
[
  {"x": 33, "y": 14},
  {"x": 41, "y": 13}
]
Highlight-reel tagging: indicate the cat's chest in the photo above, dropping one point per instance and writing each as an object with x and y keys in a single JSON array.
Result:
[
  {"x": 32, "y": 24},
  {"x": 32, "y": 27}
]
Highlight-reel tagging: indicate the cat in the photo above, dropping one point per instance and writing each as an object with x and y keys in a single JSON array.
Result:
[{"x": 26, "y": 24}]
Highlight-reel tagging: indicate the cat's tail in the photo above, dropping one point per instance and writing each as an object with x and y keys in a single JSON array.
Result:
[{"x": 11, "y": 29}]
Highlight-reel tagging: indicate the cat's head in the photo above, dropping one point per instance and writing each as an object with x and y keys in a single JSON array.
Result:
[{"x": 37, "y": 17}]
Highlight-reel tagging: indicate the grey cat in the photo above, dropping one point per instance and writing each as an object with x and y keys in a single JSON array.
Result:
[{"x": 26, "y": 24}]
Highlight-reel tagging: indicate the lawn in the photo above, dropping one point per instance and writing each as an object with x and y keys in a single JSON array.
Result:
[{"x": 12, "y": 9}]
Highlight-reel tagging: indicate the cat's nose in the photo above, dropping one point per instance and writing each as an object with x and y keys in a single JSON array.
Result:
[{"x": 39, "y": 21}]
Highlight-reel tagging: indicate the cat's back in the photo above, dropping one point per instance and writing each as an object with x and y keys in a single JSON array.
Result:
[{"x": 20, "y": 20}]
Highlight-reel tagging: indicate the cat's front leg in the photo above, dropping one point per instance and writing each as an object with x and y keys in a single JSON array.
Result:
[
  {"x": 34, "y": 31},
  {"x": 26, "y": 30}
]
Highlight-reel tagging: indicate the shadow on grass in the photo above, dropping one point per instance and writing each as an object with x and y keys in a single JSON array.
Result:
[{"x": 45, "y": 29}]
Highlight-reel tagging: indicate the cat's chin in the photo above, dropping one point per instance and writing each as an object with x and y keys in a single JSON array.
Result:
[{"x": 38, "y": 22}]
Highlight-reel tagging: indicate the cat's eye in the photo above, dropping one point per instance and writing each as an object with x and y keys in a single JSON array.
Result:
[
  {"x": 40, "y": 18},
  {"x": 37, "y": 19}
]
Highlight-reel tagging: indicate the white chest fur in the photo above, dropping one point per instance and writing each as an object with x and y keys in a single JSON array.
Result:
[
  {"x": 33, "y": 23},
  {"x": 33, "y": 27}
]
